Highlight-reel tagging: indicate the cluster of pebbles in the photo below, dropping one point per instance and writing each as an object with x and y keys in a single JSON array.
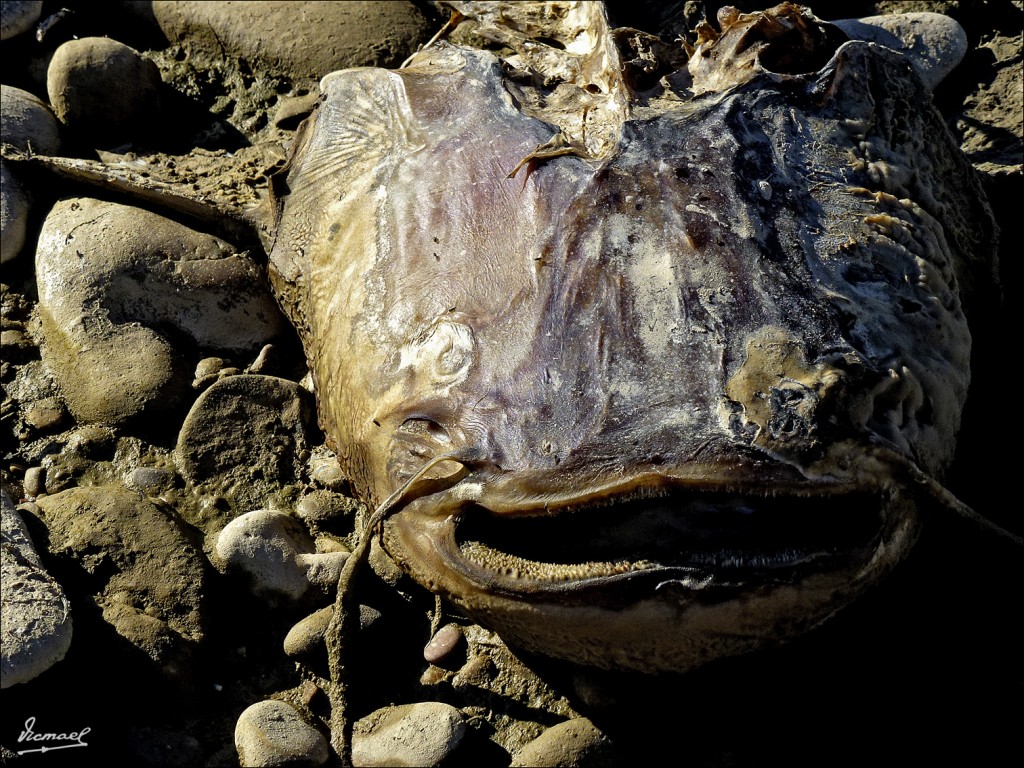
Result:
[{"x": 173, "y": 525}]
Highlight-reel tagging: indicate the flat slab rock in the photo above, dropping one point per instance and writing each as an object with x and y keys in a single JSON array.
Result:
[
  {"x": 246, "y": 437},
  {"x": 151, "y": 575}
]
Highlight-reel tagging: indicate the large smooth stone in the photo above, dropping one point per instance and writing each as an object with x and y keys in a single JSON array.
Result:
[
  {"x": 298, "y": 40},
  {"x": 111, "y": 278}
]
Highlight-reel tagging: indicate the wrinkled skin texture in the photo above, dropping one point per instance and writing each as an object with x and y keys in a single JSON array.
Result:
[{"x": 708, "y": 360}]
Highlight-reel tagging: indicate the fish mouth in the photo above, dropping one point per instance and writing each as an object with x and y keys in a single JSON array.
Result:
[
  {"x": 656, "y": 575},
  {"x": 698, "y": 540}
]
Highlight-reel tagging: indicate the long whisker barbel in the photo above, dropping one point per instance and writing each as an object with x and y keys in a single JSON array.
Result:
[{"x": 345, "y": 622}]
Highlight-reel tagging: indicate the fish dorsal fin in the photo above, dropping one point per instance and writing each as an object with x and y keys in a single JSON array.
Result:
[{"x": 361, "y": 128}]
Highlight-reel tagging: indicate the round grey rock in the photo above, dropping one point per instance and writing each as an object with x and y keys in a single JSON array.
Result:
[
  {"x": 110, "y": 278},
  {"x": 265, "y": 545},
  {"x": 35, "y": 620},
  {"x": 575, "y": 743},
  {"x": 27, "y": 122},
  {"x": 934, "y": 43},
  {"x": 14, "y": 211},
  {"x": 423, "y": 734},
  {"x": 18, "y": 16},
  {"x": 272, "y": 733},
  {"x": 102, "y": 89}
]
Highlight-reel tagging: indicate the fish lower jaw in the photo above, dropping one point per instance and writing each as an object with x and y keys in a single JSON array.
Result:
[
  {"x": 693, "y": 541},
  {"x": 514, "y": 567}
]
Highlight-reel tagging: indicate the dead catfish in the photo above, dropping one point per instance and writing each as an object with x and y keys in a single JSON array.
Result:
[
  {"x": 645, "y": 357},
  {"x": 649, "y": 378}
]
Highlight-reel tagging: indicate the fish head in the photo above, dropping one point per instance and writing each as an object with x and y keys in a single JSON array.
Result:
[{"x": 667, "y": 400}]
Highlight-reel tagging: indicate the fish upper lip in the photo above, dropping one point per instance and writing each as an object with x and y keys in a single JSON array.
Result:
[{"x": 719, "y": 552}]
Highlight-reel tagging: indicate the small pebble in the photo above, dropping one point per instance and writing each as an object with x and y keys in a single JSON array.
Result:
[
  {"x": 46, "y": 414},
  {"x": 443, "y": 644},
  {"x": 35, "y": 481},
  {"x": 307, "y": 637},
  {"x": 206, "y": 371},
  {"x": 265, "y": 362},
  {"x": 272, "y": 733}
]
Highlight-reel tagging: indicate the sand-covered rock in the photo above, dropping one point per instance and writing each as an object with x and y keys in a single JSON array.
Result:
[
  {"x": 151, "y": 576},
  {"x": 247, "y": 437},
  {"x": 422, "y": 734},
  {"x": 35, "y": 616}
]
